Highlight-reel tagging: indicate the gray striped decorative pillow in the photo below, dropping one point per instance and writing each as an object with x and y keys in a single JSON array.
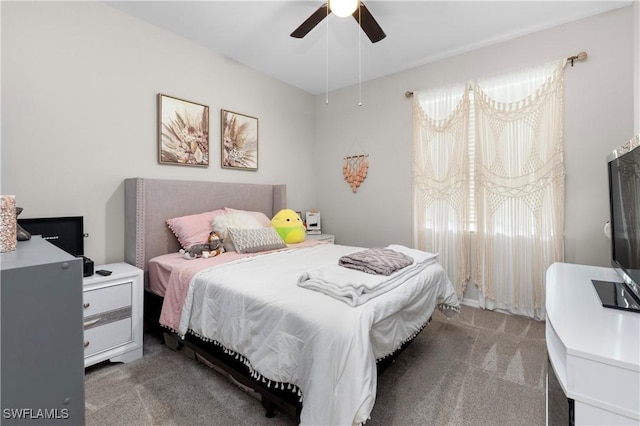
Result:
[{"x": 255, "y": 240}]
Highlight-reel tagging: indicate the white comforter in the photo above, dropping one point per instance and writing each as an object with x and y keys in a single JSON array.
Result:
[{"x": 294, "y": 335}]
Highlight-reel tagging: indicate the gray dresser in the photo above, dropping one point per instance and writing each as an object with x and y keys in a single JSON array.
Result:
[{"x": 42, "y": 354}]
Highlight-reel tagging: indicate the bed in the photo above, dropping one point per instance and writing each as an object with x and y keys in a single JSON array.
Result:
[{"x": 300, "y": 348}]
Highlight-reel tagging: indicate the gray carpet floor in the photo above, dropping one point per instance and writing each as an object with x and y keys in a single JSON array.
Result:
[{"x": 480, "y": 368}]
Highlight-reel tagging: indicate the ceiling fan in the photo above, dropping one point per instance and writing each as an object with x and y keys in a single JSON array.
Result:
[{"x": 361, "y": 15}]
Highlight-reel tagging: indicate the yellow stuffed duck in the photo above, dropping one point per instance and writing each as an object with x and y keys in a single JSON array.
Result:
[{"x": 289, "y": 226}]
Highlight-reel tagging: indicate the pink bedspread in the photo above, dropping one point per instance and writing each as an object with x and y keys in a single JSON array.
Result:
[{"x": 170, "y": 275}]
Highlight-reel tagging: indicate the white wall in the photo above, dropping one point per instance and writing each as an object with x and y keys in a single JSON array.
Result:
[
  {"x": 79, "y": 85},
  {"x": 599, "y": 116},
  {"x": 79, "y": 81}
]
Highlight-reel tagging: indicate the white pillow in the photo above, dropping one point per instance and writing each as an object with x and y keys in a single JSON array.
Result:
[
  {"x": 233, "y": 219},
  {"x": 260, "y": 217}
]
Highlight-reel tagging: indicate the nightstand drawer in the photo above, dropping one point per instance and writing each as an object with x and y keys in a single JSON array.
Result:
[
  {"x": 106, "y": 299},
  {"x": 98, "y": 339}
]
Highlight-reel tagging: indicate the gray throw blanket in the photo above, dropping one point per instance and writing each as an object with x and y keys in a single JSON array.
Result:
[{"x": 377, "y": 261}]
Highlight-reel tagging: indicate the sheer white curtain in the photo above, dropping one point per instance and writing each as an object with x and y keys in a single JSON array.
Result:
[
  {"x": 441, "y": 178},
  {"x": 519, "y": 181}
]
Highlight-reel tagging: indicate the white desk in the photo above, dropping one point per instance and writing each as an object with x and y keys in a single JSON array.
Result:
[{"x": 595, "y": 351}]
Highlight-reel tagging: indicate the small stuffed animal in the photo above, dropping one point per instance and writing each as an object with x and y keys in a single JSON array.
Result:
[{"x": 211, "y": 248}]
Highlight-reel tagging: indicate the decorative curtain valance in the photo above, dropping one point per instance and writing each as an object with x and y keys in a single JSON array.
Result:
[
  {"x": 519, "y": 182},
  {"x": 506, "y": 177},
  {"x": 441, "y": 178}
]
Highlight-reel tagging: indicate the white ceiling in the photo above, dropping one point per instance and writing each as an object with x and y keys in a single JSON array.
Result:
[{"x": 256, "y": 33}]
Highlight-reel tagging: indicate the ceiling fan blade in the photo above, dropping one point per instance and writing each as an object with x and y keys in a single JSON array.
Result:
[
  {"x": 313, "y": 20},
  {"x": 368, "y": 24}
]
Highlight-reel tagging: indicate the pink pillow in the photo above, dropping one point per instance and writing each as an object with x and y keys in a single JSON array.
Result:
[
  {"x": 193, "y": 229},
  {"x": 264, "y": 221}
]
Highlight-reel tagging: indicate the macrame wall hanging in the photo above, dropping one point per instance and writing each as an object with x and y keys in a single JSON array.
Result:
[{"x": 355, "y": 169}]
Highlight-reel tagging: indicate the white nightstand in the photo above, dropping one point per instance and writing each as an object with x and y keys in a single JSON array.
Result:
[
  {"x": 113, "y": 307},
  {"x": 322, "y": 237}
]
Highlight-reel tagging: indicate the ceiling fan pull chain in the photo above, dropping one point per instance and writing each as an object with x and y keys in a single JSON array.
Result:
[
  {"x": 359, "y": 57},
  {"x": 326, "y": 100}
]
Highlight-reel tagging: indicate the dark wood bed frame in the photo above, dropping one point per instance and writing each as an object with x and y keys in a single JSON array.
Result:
[
  {"x": 148, "y": 203},
  {"x": 272, "y": 399}
]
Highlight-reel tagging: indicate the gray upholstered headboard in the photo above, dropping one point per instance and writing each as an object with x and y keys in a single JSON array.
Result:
[{"x": 149, "y": 202}]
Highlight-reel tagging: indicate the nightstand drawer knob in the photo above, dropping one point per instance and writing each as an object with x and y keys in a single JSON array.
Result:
[
  {"x": 86, "y": 305},
  {"x": 86, "y": 344},
  {"x": 91, "y": 322}
]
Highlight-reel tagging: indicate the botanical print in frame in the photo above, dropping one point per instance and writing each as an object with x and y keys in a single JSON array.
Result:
[
  {"x": 183, "y": 132},
  {"x": 239, "y": 141}
]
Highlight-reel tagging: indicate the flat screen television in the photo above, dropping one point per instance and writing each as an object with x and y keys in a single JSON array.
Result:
[
  {"x": 66, "y": 233},
  {"x": 624, "y": 208}
]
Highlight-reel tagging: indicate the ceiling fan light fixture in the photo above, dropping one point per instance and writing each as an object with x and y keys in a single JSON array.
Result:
[{"x": 343, "y": 8}]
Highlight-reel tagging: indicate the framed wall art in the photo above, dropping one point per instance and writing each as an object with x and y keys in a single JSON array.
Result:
[
  {"x": 183, "y": 132},
  {"x": 239, "y": 141}
]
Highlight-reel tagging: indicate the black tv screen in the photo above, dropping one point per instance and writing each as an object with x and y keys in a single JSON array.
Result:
[
  {"x": 624, "y": 197},
  {"x": 64, "y": 232}
]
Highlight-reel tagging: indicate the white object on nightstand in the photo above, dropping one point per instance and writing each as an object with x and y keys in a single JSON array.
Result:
[
  {"x": 322, "y": 237},
  {"x": 113, "y": 314}
]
